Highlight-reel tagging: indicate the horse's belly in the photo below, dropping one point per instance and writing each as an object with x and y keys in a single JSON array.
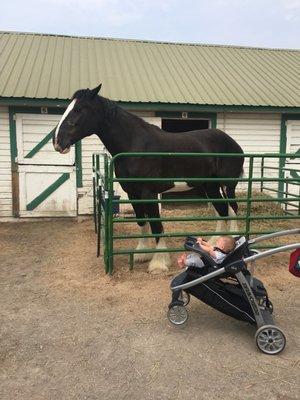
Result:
[{"x": 179, "y": 187}]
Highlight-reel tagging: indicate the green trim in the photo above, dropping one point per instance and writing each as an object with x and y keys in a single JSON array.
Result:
[
  {"x": 41, "y": 144},
  {"x": 14, "y": 165},
  {"x": 282, "y": 148},
  {"x": 204, "y": 107},
  {"x": 29, "y": 102},
  {"x": 13, "y": 136},
  {"x": 168, "y": 114},
  {"x": 177, "y": 114},
  {"x": 35, "y": 110},
  {"x": 46, "y": 193},
  {"x": 294, "y": 174},
  {"x": 62, "y": 103},
  {"x": 192, "y": 115},
  {"x": 78, "y": 163},
  {"x": 214, "y": 121}
]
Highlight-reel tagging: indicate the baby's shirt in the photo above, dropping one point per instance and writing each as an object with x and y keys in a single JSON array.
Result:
[
  {"x": 194, "y": 259},
  {"x": 219, "y": 256}
]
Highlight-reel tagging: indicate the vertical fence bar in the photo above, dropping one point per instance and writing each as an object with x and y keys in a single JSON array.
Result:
[
  {"x": 107, "y": 216},
  {"x": 94, "y": 193},
  {"x": 286, "y": 188},
  {"x": 298, "y": 186},
  {"x": 98, "y": 184},
  {"x": 99, "y": 220},
  {"x": 97, "y": 178},
  {"x": 110, "y": 227},
  {"x": 249, "y": 195},
  {"x": 262, "y": 172}
]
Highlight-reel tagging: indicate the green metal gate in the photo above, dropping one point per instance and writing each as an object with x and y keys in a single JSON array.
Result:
[{"x": 255, "y": 182}]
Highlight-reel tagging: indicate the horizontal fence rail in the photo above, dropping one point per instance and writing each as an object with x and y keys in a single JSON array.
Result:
[{"x": 262, "y": 184}]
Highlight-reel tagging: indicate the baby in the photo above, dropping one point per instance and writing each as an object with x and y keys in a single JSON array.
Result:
[{"x": 224, "y": 245}]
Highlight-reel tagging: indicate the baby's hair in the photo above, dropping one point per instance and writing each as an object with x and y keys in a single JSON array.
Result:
[{"x": 229, "y": 243}]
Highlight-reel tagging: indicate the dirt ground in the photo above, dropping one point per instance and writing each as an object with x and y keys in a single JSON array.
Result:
[{"x": 70, "y": 332}]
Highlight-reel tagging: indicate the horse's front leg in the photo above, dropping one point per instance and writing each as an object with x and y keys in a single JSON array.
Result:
[
  {"x": 161, "y": 261},
  {"x": 144, "y": 242}
]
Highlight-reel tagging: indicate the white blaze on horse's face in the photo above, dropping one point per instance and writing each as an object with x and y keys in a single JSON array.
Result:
[{"x": 64, "y": 116}]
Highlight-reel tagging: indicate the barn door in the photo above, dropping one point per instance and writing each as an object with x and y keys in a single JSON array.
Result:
[
  {"x": 293, "y": 165},
  {"x": 47, "y": 179}
]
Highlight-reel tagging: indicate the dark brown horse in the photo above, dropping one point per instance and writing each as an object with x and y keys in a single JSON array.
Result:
[{"x": 121, "y": 132}]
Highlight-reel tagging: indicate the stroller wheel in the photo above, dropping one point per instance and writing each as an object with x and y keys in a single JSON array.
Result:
[
  {"x": 185, "y": 297},
  {"x": 270, "y": 339},
  {"x": 178, "y": 315}
]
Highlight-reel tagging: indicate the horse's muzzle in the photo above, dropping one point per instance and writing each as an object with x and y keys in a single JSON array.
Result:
[{"x": 59, "y": 149}]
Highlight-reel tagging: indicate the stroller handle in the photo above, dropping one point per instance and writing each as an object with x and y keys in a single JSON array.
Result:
[
  {"x": 274, "y": 235},
  {"x": 222, "y": 270},
  {"x": 271, "y": 252}
]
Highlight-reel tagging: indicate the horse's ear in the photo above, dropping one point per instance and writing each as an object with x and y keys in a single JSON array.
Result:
[{"x": 94, "y": 92}]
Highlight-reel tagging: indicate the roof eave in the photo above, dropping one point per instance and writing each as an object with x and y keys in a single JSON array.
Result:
[{"x": 151, "y": 106}]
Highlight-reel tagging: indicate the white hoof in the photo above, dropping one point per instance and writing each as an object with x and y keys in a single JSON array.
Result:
[{"x": 159, "y": 263}]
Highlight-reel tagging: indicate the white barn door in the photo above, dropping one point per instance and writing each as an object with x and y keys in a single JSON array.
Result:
[
  {"x": 47, "y": 179},
  {"x": 293, "y": 166}
]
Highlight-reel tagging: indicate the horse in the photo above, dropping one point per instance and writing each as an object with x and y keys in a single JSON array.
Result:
[{"x": 121, "y": 132}]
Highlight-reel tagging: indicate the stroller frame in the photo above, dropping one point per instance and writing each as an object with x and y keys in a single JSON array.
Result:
[{"x": 269, "y": 338}]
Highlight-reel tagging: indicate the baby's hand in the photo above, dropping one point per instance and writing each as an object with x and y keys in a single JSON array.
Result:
[
  {"x": 200, "y": 240},
  {"x": 181, "y": 260}
]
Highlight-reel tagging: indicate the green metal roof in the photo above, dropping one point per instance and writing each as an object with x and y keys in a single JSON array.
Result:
[{"x": 52, "y": 67}]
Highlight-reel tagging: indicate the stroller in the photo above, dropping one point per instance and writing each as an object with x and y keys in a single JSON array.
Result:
[{"x": 230, "y": 288}]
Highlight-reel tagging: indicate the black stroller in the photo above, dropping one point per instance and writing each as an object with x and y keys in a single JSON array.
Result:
[{"x": 230, "y": 288}]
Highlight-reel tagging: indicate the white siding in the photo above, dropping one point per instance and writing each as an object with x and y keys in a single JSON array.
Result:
[
  {"x": 255, "y": 133},
  {"x": 5, "y": 165}
]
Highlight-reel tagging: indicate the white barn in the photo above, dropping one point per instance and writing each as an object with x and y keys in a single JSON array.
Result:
[{"x": 252, "y": 94}]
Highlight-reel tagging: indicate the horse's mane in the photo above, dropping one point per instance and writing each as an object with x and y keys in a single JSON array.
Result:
[{"x": 111, "y": 108}]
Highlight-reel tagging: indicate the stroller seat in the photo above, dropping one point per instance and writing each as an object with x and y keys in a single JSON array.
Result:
[{"x": 241, "y": 250}]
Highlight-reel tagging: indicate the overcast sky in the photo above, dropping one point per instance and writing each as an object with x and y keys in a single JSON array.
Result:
[{"x": 264, "y": 23}]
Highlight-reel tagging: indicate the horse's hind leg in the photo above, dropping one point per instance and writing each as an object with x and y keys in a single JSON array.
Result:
[
  {"x": 221, "y": 208},
  {"x": 161, "y": 261},
  {"x": 232, "y": 207}
]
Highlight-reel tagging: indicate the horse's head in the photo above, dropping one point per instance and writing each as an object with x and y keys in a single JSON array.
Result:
[{"x": 78, "y": 121}]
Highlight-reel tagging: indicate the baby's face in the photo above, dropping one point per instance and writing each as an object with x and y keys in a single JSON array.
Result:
[{"x": 221, "y": 243}]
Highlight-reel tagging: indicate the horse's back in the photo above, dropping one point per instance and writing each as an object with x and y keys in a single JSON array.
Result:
[{"x": 203, "y": 140}]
